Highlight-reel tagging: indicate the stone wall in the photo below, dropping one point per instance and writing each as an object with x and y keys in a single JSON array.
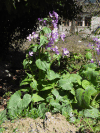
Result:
[{"x": 95, "y": 22}]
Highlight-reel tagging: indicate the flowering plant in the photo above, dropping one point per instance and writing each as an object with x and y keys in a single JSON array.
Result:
[{"x": 44, "y": 86}]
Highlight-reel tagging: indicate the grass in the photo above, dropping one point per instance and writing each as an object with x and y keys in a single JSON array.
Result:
[{"x": 71, "y": 44}]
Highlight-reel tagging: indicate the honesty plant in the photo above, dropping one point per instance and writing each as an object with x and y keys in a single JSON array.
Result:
[{"x": 61, "y": 93}]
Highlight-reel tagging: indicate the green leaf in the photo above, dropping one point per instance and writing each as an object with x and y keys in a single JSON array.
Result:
[
  {"x": 72, "y": 91},
  {"x": 25, "y": 62},
  {"x": 66, "y": 84},
  {"x": 68, "y": 111},
  {"x": 15, "y": 98},
  {"x": 88, "y": 50},
  {"x": 65, "y": 75},
  {"x": 55, "y": 103},
  {"x": 43, "y": 65},
  {"x": 25, "y": 89},
  {"x": 26, "y": 100},
  {"x": 86, "y": 96},
  {"x": 56, "y": 94},
  {"x": 36, "y": 98},
  {"x": 75, "y": 78},
  {"x": 46, "y": 30},
  {"x": 26, "y": 81},
  {"x": 16, "y": 104},
  {"x": 33, "y": 84},
  {"x": 47, "y": 88},
  {"x": 3, "y": 115},
  {"x": 42, "y": 110},
  {"x": 79, "y": 93},
  {"x": 92, "y": 113},
  {"x": 35, "y": 48},
  {"x": 86, "y": 83},
  {"x": 52, "y": 75},
  {"x": 91, "y": 74},
  {"x": 88, "y": 56},
  {"x": 43, "y": 40},
  {"x": 29, "y": 75},
  {"x": 90, "y": 65}
]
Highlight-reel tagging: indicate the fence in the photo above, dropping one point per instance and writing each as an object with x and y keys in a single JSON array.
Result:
[{"x": 66, "y": 29}]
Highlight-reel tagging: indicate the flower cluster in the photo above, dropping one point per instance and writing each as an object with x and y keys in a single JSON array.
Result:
[
  {"x": 53, "y": 36},
  {"x": 33, "y": 35},
  {"x": 97, "y": 49}
]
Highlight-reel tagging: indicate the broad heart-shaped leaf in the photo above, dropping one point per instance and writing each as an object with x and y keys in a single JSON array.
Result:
[
  {"x": 75, "y": 78},
  {"x": 88, "y": 56},
  {"x": 86, "y": 96},
  {"x": 92, "y": 113},
  {"x": 56, "y": 94},
  {"x": 15, "y": 98},
  {"x": 43, "y": 65},
  {"x": 66, "y": 84},
  {"x": 65, "y": 75},
  {"x": 91, "y": 74},
  {"x": 52, "y": 75},
  {"x": 25, "y": 101},
  {"x": 36, "y": 98},
  {"x": 86, "y": 83},
  {"x": 46, "y": 30},
  {"x": 16, "y": 104},
  {"x": 91, "y": 65},
  {"x": 79, "y": 93},
  {"x": 43, "y": 40}
]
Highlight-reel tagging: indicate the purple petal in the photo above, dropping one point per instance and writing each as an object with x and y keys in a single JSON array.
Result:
[
  {"x": 31, "y": 53},
  {"x": 92, "y": 61}
]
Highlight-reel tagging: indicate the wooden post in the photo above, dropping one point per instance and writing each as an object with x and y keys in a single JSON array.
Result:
[{"x": 72, "y": 29}]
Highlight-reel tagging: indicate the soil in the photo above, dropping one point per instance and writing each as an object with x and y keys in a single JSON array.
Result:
[
  {"x": 53, "y": 124},
  {"x": 9, "y": 81}
]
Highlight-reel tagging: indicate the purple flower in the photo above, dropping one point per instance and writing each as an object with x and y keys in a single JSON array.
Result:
[
  {"x": 35, "y": 36},
  {"x": 90, "y": 46},
  {"x": 62, "y": 36},
  {"x": 31, "y": 53},
  {"x": 95, "y": 39},
  {"x": 50, "y": 15},
  {"x": 29, "y": 37},
  {"x": 33, "y": 33},
  {"x": 99, "y": 63},
  {"x": 54, "y": 25},
  {"x": 65, "y": 51},
  {"x": 44, "y": 22},
  {"x": 49, "y": 35},
  {"x": 40, "y": 19},
  {"x": 56, "y": 15},
  {"x": 55, "y": 50},
  {"x": 51, "y": 42},
  {"x": 92, "y": 61},
  {"x": 48, "y": 45},
  {"x": 98, "y": 51}
]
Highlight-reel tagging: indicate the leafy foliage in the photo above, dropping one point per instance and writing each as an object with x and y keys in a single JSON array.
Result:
[{"x": 53, "y": 91}]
